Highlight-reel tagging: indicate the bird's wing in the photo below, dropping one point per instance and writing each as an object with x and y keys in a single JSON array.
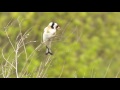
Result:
[{"x": 47, "y": 30}]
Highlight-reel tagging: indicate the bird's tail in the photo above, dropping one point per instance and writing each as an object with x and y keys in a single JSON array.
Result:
[{"x": 48, "y": 51}]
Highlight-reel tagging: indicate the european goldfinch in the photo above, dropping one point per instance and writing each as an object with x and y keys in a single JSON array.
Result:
[{"x": 48, "y": 35}]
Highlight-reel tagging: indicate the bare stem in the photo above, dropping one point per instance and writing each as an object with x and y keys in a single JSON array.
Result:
[
  {"x": 107, "y": 68},
  {"x": 16, "y": 62}
]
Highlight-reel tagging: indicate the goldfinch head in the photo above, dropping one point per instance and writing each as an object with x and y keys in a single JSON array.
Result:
[{"x": 54, "y": 25}]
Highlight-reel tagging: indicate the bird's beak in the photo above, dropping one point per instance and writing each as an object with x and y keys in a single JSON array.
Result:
[{"x": 58, "y": 28}]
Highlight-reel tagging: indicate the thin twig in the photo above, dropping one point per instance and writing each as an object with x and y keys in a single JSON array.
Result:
[
  {"x": 9, "y": 40},
  {"x": 30, "y": 60},
  {"x": 92, "y": 72},
  {"x": 84, "y": 75},
  {"x": 9, "y": 71},
  {"x": 108, "y": 68},
  {"x": 7, "y": 60},
  {"x": 39, "y": 70},
  {"x": 16, "y": 63},
  {"x": 22, "y": 37},
  {"x": 3, "y": 72},
  {"x": 75, "y": 74},
  {"x": 47, "y": 68},
  {"x": 62, "y": 70},
  {"x": 117, "y": 74}
]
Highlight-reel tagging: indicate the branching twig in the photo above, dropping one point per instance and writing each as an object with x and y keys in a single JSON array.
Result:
[
  {"x": 7, "y": 60},
  {"x": 8, "y": 35},
  {"x": 22, "y": 37}
]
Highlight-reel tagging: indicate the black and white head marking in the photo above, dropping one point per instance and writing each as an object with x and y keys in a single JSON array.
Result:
[{"x": 52, "y": 26}]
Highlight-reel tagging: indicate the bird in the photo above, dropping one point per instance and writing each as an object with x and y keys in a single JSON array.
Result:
[{"x": 48, "y": 34}]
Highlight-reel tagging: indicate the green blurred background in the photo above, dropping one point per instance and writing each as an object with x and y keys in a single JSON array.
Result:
[{"x": 87, "y": 45}]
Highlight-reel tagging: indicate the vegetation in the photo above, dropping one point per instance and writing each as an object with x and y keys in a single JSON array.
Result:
[{"x": 87, "y": 46}]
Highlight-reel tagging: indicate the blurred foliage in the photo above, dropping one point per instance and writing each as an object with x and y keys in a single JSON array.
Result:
[{"x": 88, "y": 44}]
